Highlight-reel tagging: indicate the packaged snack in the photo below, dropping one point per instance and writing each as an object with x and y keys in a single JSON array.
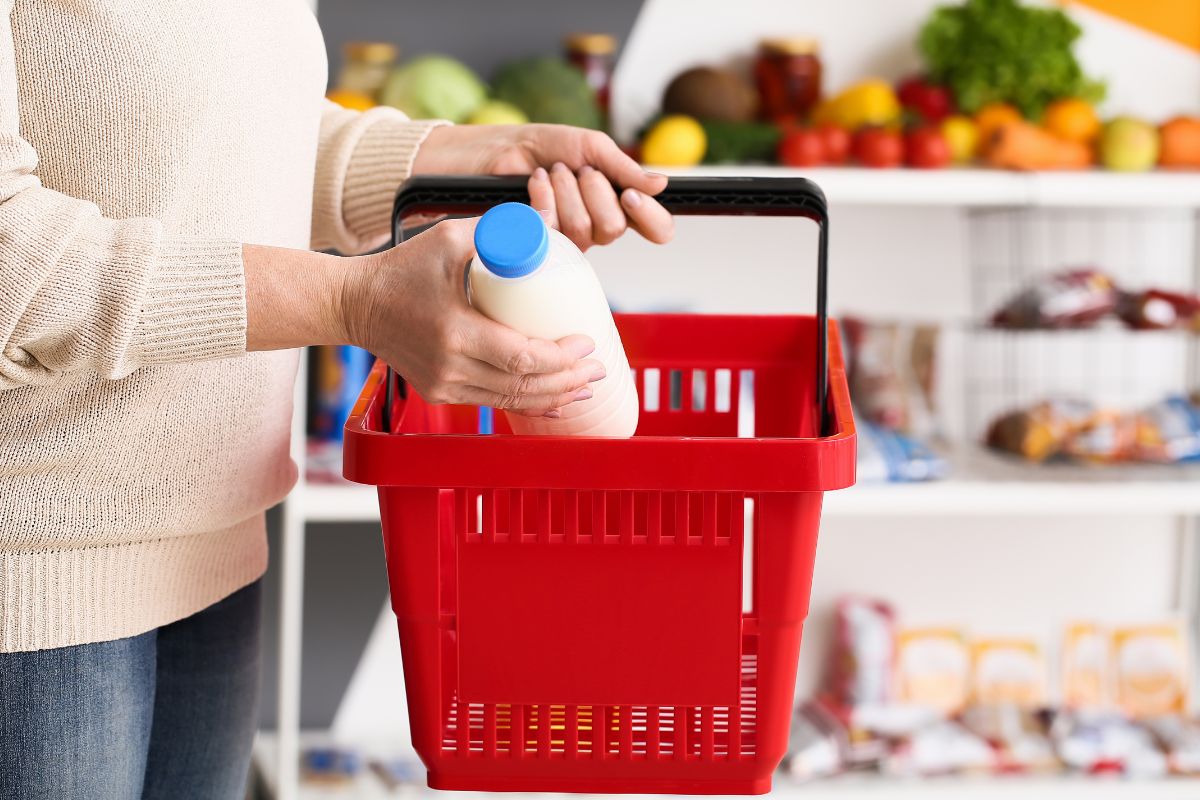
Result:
[
  {"x": 1180, "y": 738},
  {"x": 891, "y": 371},
  {"x": 1168, "y": 431},
  {"x": 1042, "y": 431},
  {"x": 1019, "y": 736},
  {"x": 933, "y": 669},
  {"x": 818, "y": 744},
  {"x": 1085, "y": 659},
  {"x": 1073, "y": 299},
  {"x": 1008, "y": 672},
  {"x": 942, "y": 748},
  {"x": 1106, "y": 743},
  {"x": 863, "y": 654},
  {"x": 884, "y": 455},
  {"x": 1156, "y": 309},
  {"x": 330, "y": 765},
  {"x": 1150, "y": 670},
  {"x": 1106, "y": 437}
]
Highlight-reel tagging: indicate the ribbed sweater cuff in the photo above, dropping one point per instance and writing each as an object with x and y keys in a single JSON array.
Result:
[
  {"x": 195, "y": 305},
  {"x": 382, "y": 160}
]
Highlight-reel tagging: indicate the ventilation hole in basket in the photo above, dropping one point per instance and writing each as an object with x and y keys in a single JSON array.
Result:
[
  {"x": 479, "y": 514},
  {"x": 699, "y": 389},
  {"x": 675, "y": 384},
  {"x": 745, "y": 414},
  {"x": 722, "y": 379},
  {"x": 748, "y": 555},
  {"x": 650, "y": 389}
]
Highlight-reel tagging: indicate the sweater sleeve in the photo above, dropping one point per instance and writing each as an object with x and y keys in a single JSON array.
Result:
[
  {"x": 80, "y": 292},
  {"x": 362, "y": 158}
]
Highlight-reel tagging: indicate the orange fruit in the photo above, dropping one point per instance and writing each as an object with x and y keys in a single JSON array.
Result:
[
  {"x": 1180, "y": 143},
  {"x": 1072, "y": 119},
  {"x": 991, "y": 117},
  {"x": 356, "y": 101}
]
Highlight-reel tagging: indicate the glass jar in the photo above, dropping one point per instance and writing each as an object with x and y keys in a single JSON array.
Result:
[
  {"x": 365, "y": 67},
  {"x": 592, "y": 53},
  {"x": 788, "y": 74}
]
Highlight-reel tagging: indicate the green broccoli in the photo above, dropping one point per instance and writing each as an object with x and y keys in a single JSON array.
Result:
[{"x": 548, "y": 90}]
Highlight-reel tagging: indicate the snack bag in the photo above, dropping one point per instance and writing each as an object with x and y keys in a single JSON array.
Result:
[
  {"x": 1159, "y": 310},
  {"x": 891, "y": 369},
  {"x": 1042, "y": 431},
  {"x": 864, "y": 652},
  {"x": 1085, "y": 664},
  {"x": 1008, "y": 672},
  {"x": 1168, "y": 431},
  {"x": 1073, "y": 299},
  {"x": 1106, "y": 437},
  {"x": 933, "y": 669},
  {"x": 1150, "y": 668}
]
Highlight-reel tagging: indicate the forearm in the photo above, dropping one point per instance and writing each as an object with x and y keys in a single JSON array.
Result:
[{"x": 294, "y": 298}]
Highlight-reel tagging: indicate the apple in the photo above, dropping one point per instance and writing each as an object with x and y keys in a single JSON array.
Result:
[
  {"x": 877, "y": 147},
  {"x": 1128, "y": 145}
]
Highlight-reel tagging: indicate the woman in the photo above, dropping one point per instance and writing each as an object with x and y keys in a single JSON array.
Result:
[{"x": 164, "y": 170}]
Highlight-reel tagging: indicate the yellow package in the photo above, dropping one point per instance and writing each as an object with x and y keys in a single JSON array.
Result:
[
  {"x": 1150, "y": 670},
  {"x": 933, "y": 668},
  {"x": 1008, "y": 672},
  {"x": 1085, "y": 675}
]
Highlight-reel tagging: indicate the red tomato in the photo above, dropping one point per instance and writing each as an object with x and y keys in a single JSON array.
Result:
[
  {"x": 931, "y": 102},
  {"x": 801, "y": 148},
  {"x": 878, "y": 147},
  {"x": 836, "y": 141},
  {"x": 926, "y": 148}
]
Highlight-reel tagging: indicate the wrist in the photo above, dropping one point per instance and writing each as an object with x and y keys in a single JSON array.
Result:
[{"x": 354, "y": 299}]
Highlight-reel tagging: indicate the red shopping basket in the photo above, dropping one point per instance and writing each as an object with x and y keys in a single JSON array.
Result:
[{"x": 615, "y": 615}]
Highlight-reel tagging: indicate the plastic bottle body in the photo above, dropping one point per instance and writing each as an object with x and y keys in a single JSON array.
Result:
[{"x": 561, "y": 297}]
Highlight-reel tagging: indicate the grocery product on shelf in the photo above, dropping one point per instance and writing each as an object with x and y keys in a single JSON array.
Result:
[
  {"x": 675, "y": 141},
  {"x": 365, "y": 68},
  {"x": 1008, "y": 672},
  {"x": 962, "y": 134},
  {"x": 892, "y": 368},
  {"x": 497, "y": 112},
  {"x": 862, "y": 658},
  {"x": 1180, "y": 143},
  {"x": 1072, "y": 119},
  {"x": 1085, "y": 667},
  {"x": 740, "y": 142},
  {"x": 787, "y": 73},
  {"x": 866, "y": 103},
  {"x": 592, "y": 54},
  {"x": 534, "y": 280},
  {"x": 1040, "y": 432},
  {"x": 928, "y": 101},
  {"x": 548, "y": 90},
  {"x": 933, "y": 669},
  {"x": 1022, "y": 145},
  {"x": 711, "y": 93},
  {"x": 886, "y": 455},
  {"x": 1128, "y": 145},
  {"x": 1103, "y": 743},
  {"x": 1150, "y": 669},
  {"x": 1071, "y": 299},
  {"x": 1156, "y": 309},
  {"x": 1168, "y": 432},
  {"x": 926, "y": 148},
  {"x": 434, "y": 87},
  {"x": 818, "y": 744}
]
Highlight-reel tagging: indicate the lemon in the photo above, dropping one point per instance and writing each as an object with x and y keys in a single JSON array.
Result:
[
  {"x": 497, "y": 112},
  {"x": 675, "y": 141},
  {"x": 963, "y": 137},
  {"x": 869, "y": 102}
]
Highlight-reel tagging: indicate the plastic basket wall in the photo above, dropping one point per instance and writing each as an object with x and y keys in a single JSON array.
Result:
[{"x": 614, "y": 615}]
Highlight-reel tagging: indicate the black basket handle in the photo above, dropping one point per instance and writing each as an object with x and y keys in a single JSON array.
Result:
[{"x": 783, "y": 197}]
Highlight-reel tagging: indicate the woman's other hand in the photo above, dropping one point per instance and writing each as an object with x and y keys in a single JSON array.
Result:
[
  {"x": 408, "y": 305},
  {"x": 572, "y": 172}
]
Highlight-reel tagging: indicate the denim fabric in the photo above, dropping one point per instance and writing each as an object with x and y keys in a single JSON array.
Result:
[{"x": 168, "y": 714}]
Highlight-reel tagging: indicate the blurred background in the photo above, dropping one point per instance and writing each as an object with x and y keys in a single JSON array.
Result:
[{"x": 1005, "y": 605}]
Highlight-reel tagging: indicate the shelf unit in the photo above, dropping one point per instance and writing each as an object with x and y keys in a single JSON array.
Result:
[
  {"x": 366, "y": 786},
  {"x": 977, "y": 486}
]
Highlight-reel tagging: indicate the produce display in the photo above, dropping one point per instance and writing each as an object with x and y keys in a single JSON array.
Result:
[
  {"x": 933, "y": 701},
  {"x": 1001, "y": 88}
]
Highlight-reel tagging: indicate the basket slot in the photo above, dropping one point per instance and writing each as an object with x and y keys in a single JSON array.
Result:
[
  {"x": 675, "y": 390},
  {"x": 747, "y": 523},
  {"x": 650, "y": 389},
  {"x": 722, "y": 380},
  {"x": 745, "y": 404},
  {"x": 699, "y": 392}
]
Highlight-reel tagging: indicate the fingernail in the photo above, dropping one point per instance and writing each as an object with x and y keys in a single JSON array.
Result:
[
  {"x": 583, "y": 394},
  {"x": 597, "y": 375},
  {"x": 547, "y": 217},
  {"x": 539, "y": 174},
  {"x": 632, "y": 198},
  {"x": 654, "y": 174},
  {"x": 553, "y": 413},
  {"x": 559, "y": 167},
  {"x": 585, "y": 169}
]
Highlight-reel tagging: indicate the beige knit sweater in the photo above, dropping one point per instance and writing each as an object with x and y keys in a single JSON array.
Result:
[{"x": 141, "y": 143}]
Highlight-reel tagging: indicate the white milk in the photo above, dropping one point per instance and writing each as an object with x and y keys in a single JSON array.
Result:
[{"x": 534, "y": 280}]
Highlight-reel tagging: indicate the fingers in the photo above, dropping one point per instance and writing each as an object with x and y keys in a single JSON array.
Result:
[
  {"x": 648, "y": 216},
  {"x": 525, "y": 405},
  {"x": 600, "y": 199},
  {"x": 541, "y": 196},
  {"x": 517, "y": 354},
  {"x": 573, "y": 218},
  {"x": 602, "y": 152},
  {"x": 529, "y": 391}
]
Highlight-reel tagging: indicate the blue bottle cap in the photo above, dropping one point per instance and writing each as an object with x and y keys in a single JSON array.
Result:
[{"x": 511, "y": 240}]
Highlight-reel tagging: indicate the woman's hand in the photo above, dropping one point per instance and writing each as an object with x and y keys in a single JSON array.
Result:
[
  {"x": 571, "y": 175},
  {"x": 408, "y": 305}
]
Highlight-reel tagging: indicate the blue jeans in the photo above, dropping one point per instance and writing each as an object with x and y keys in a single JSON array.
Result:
[{"x": 167, "y": 714}]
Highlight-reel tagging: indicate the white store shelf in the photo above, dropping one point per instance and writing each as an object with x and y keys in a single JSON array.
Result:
[
  {"x": 983, "y": 187},
  {"x": 854, "y": 787}
]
